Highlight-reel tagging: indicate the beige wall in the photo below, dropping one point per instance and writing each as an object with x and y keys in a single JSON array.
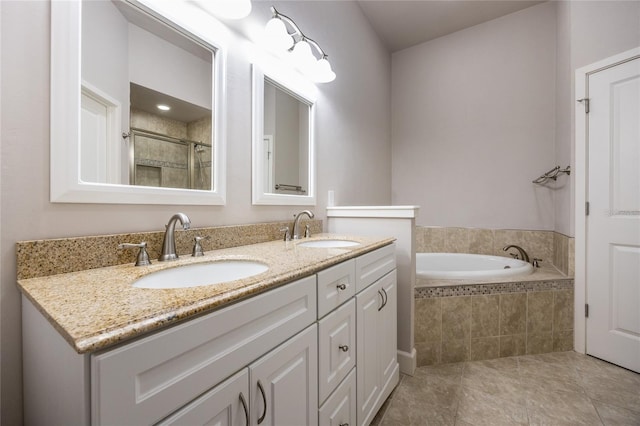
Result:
[
  {"x": 473, "y": 117},
  {"x": 353, "y": 134}
]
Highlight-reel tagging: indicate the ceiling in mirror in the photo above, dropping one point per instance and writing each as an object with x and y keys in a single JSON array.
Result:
[{"x": 136, "y": 103}]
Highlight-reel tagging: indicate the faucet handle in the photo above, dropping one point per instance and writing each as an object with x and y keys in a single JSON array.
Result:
[
  {"x": 307, "y": 231},
  {"x": 515, "y": 255},
  {"x": 143, "y": 256},
  {"x": 197, "y": 246},
  {"x": 287, "y": 233},
  {"x": 536, "y": 262}
]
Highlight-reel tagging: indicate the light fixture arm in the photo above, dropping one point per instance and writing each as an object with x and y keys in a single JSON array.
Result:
[{"x": 297, "y": 32}]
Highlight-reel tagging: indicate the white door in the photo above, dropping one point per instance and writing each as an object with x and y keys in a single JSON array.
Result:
[
  {"x": 613, "y": 224},
  {"x": 284, "y": 383}
]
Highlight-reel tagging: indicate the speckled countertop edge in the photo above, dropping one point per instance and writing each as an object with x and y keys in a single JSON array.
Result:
[{"x": 98, "y": 308}]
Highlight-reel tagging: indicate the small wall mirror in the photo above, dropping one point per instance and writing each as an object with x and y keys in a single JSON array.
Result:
[
  {"x": 136, "y": 105},
  {"x": 283, "y": 141}
]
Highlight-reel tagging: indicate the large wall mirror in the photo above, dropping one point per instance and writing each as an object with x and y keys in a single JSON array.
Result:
[
  {"x": 136, "y": 104},
  {"x": 283, "y": 140}
]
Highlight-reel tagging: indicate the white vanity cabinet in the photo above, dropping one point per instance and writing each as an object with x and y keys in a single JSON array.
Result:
[{"x": 320, "y": 350}]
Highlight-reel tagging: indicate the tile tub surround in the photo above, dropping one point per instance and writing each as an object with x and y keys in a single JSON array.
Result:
[
  {"x": 554, "y": 248},
  {"x": 96, "y": 308},
  {"x": 563, "y": 388},
  {"x": 58, "y": 256},
  {"x": 486, "y": 321}
]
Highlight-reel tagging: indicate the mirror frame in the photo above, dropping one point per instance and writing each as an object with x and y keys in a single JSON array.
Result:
[
  {"x": 305, "y": 92},
  {"x": 66, "y": 184}
]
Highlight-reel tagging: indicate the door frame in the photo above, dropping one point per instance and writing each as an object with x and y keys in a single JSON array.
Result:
[{"x": 581, "y": 188}]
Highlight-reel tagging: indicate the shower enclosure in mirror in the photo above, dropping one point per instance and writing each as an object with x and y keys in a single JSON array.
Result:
[
  {"x": 149, "y": 80},
  {"x": 283, "y": 141}
]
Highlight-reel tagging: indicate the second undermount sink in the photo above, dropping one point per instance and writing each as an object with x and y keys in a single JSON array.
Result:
[
  {"x": 328, "y": 243},
  {"x": 201, "y": 274}
]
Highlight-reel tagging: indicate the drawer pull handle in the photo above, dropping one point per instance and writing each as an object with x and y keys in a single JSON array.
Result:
[
  {"x": 264, "y": 401},
  {"x": 342, "y": 286},
  {"x": 343, "y": 348},
  {"x": 381, "y": 297},
  {"x": 344, "y": 424},
  {"x": 386, "y": 297},
  {"x": 244, "y": 407}
]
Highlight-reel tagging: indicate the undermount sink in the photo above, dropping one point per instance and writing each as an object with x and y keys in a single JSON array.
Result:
[
  {"x": 201, "y": 274},
  {"x": 328, "y": 243}
]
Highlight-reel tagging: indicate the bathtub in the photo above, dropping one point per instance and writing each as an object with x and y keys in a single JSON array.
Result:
[{"x": 462, "y": 266}]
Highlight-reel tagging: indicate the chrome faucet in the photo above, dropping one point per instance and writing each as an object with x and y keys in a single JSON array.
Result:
[
  {"x": 523, "y": 254},
  {"x": 169, "y": 243},
  {"x": 296, "y": 223}
]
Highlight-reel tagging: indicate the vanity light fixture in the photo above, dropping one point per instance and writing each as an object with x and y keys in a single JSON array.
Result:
[
  {"x": 163, "y": 107},
  {"x": 298, "y": 48}
]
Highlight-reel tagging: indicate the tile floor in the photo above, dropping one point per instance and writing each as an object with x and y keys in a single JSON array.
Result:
[{"x": 561, "y": 388}]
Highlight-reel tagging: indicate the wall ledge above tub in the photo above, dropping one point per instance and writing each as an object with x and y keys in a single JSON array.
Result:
[{"x": 373, "y": 211}]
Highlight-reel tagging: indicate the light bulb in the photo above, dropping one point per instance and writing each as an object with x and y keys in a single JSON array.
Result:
[
  {"x": 323, "y": 72},
  {"x": 302, "y": 56},
  {"x": 277, "y": 36}
]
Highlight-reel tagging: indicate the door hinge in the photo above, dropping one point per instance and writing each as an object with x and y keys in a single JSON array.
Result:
[
  {"x": 586, "y": 208},
  {"x": 585, "y": 101},
  {"x": 586, "y": 310}
]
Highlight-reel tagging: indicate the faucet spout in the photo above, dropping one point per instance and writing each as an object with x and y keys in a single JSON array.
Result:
[
  {"x": 523, "y": 254},
  {"x": 296, "y": 223},
  {"x": 169, "y": 243}
]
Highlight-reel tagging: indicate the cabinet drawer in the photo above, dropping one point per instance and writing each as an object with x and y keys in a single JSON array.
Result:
[
  {"x": 372, "y": 266},
  {"x": 336, "y": 285},
  {"x": 226, "y": 404},
  {"x": 340, "y": 408},
  {"x": 144, "y": 381},
  {"x": 336, "y": 347}
]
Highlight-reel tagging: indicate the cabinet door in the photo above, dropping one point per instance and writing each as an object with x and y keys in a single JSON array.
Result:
[
  {"x": 336, "y": 348},
  {"x": 224, "y": 405},
  {"x": 284, "y": 383},
  {"x": 340, "y": 408},
  {"x": 368, "y": 305},
  {"x": 388, "y": 322}
]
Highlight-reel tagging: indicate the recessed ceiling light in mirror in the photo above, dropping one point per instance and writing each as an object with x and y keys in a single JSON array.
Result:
[{"x": 162, "y": 107}]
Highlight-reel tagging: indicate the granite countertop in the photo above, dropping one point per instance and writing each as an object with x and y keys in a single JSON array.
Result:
[{"x": 97, "y": 308}]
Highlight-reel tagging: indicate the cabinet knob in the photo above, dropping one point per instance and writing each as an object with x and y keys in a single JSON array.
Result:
[
  {"x": 343, "y": 348},
  {"x": 342, "y": 286}
]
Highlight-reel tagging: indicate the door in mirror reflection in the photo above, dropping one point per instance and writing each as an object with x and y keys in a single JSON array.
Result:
[
  {"x": 147, "y": 95},
  {"x": 286, "y": 141}
]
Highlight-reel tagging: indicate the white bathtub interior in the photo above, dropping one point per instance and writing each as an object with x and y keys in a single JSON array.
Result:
[{"x": 461, "y": 266}]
